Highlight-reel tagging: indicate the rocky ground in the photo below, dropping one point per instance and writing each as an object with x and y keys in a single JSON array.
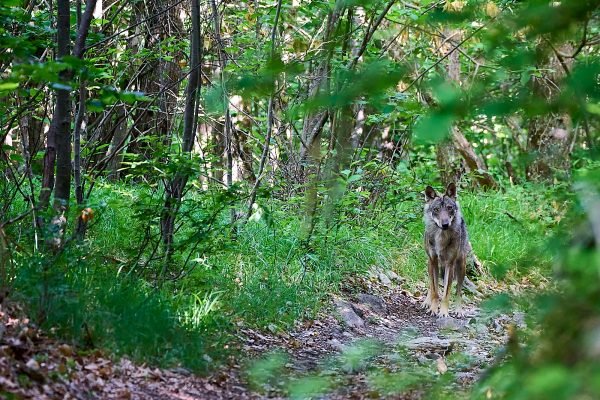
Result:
[{"x": 376, "y": 341}]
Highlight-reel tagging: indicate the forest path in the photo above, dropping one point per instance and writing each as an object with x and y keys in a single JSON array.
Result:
[
  {"x": 375, "y": 341},
  {"x": 365, "y": 336}
]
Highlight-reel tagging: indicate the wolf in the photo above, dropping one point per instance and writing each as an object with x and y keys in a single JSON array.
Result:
[{"x": 447, "y": 246}]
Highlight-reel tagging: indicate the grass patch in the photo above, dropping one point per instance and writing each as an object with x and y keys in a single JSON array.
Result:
[{"x": 82, "y": 299}]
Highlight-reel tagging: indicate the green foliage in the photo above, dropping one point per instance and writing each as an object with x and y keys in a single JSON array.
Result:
[
  {"x": 81, "y": 297},
  {"x": 558, "y": 355},
  {"x": 117, "y": 290}
]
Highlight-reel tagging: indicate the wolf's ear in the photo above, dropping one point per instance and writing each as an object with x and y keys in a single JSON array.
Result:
[
  {"x": 430, "y": 194},
  {"x": 451, "y": 191}
]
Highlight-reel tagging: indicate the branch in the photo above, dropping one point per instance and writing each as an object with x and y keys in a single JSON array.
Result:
[
  {"x": 581, "y": 45},
  {"x": 84, "y": 28},
  {"x": 16, "y": 219},
  {"x": 467, "y": 38},
  {"x": 265, "y": 153},
  {"x": 369, "y": 34},
  {"x": 560, "y": 57}
]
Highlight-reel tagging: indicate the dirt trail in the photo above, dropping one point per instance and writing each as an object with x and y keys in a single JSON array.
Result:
[
  {"x": 393, "y": 324},
  {"x": 376, "y": 331}
]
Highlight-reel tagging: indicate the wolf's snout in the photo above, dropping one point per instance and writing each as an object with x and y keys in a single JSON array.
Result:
[{"x": 445, "y": 225}]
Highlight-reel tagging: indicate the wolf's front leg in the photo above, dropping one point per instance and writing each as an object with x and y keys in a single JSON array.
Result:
[
  {"x": 445, "y": 304},
  {"x": 432, "y": 300},
  {"x": 461, "y": 269}
]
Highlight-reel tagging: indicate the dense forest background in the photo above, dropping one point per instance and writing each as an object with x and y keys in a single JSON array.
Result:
[{"x": 173, "y": 172}]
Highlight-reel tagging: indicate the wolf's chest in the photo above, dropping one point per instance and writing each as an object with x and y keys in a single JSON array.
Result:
[{"x": 444, "y": 240}]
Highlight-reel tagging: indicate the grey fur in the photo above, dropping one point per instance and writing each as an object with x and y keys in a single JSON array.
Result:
[{"x": 447, "y": 246}]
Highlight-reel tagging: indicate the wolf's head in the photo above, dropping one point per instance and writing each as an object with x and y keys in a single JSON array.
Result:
[{"x": 441, "y": 209}]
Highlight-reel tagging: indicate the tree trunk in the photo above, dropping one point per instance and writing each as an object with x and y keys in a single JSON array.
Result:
[
  {"x": 265, "y": 153},
  {"x": 549, "y": 138},
  {"x": 315, "y": 121},
  {"x": 117, "y": 144},
  {"x": 59, "y": 135},
  {"x": 450, "y": 170},
  {"x": 58, "y": 145},
  {"x": 158, "y": 77},
  {"x": 227, "y": 125},
  {"x": 61, "y": 121},
  {"x": 449, "y": 166},
  {"x": 175, "y": 188}
]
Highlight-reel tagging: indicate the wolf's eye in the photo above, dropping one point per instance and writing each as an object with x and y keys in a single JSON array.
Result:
[
  {"x": 450, "y": 208},
  {"x": 436, "y": 209}
]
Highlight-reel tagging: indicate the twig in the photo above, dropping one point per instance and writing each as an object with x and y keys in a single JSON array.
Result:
[
  {"x": 265, "y": 153},
  {"x": 468, "y": 37}
]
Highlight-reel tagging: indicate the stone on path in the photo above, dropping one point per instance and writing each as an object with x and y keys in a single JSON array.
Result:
[
  {"x": 453, "y": 324},
  {"x": 336, "y": 344},
  {"x": 384, "y": 279},
  {"x": 349, "y": 314},
  {"x": 376, "y": 304},
  {"x": 427, "y": 343},
  {"x": 393, "y": 276}
]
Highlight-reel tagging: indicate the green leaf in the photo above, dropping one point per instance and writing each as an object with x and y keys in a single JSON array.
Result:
[
  {"x": 95, "y": 105},
  {"x": 593, "y": 108},
  {"x": 8, "y": 86},
  {"x": 354, "y": 178},
  {"x": 60, "y": 86},
  {"x": 433, "y": 128}
]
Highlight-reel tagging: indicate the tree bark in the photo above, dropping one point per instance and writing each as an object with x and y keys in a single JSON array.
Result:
[
  {"x": 117, "y": 143},
  {"x": 153, "y": 124},
  {"x": 175, "y": 188},
  {"x": 58, "y": 134}
]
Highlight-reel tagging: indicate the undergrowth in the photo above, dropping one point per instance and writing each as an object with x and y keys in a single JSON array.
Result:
[{"x": 258, "y": 275}]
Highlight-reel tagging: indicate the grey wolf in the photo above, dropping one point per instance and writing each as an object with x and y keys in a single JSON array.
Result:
[{"x": 447, "y": 246}]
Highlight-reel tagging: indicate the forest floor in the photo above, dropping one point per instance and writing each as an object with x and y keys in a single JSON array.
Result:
[{"x": 374, "y": 342}]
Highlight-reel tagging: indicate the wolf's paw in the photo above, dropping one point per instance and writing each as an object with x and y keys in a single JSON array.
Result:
[
  {"x": 460, "y": 312},
  {"x": 444, "y": 313},
  {"x": 427, "y": 302},
  {"x": 458, "y": 308},
  {"x": 433, "y": 307}
]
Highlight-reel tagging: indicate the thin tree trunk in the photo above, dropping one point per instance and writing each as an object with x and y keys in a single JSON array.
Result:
[
  {"x": 227, "y": 128},
  {"x": 58, "y": 147},
  {"x": 115, "y": 150},
  {"x": 77, "y": 145},
  {"x": 78, "y": 50},
  {"x": 61, "y": 121},
  {"x": 314, "y": 122},
  {"x": 174, "y": 189},
  {"x": 81, "y": 225},
  {"x": 59, "y": 127},
  {"x": 458, "y": 143}
]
